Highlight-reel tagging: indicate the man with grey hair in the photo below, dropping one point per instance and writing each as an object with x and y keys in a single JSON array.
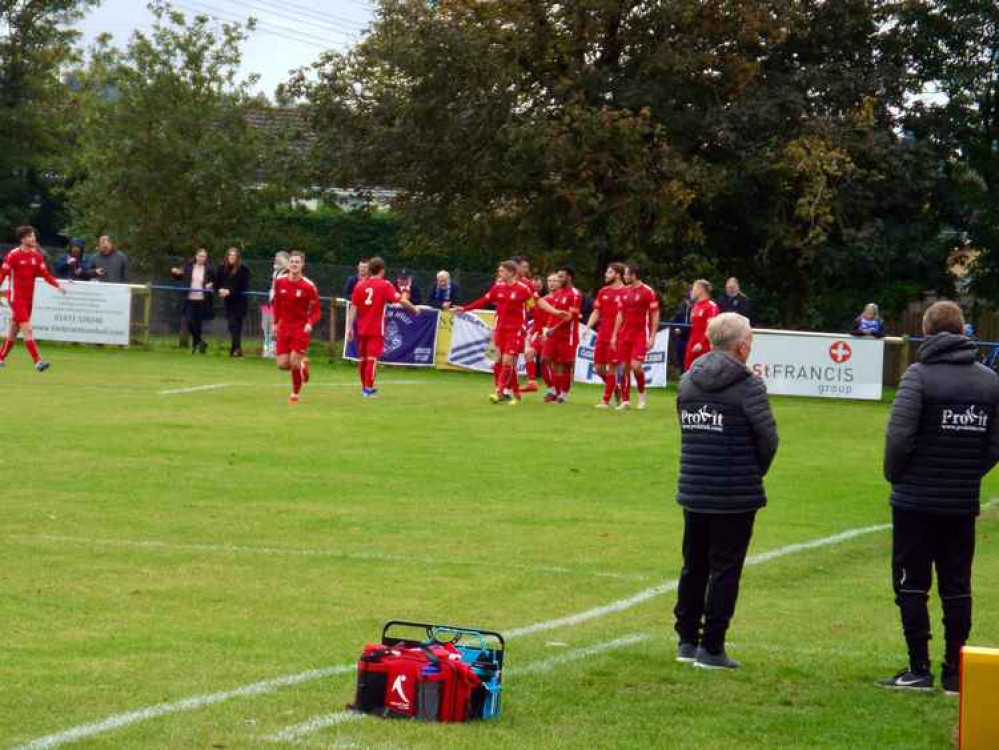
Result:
[
  {"x": 941, "y": 441},
  {"x": 728, "y": 442},
  {"x": 109, "y": 263}
]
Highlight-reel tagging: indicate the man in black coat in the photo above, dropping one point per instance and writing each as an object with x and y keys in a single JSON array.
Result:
[
  {"x": 735, "y": 301},
  {"x": 941, "y": 442},
  {"x": 728, "y": 442}
]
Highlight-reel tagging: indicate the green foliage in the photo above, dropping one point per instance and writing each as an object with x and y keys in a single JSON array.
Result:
[
  {"x": 166, "y": 159},
  {"x": 36, "y": 43}
]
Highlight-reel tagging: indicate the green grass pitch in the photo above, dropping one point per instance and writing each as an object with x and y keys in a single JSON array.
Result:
[{"x": 160, "y": 547}]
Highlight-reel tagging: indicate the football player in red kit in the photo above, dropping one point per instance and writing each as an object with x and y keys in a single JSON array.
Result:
[
  {"x": 366, "y": 321},
  {"x": 562, "y": 338},
  {"x": 536, "y": 339},
  {"x": 701, "y": 313},
  {"x": 22, "y": 266},
  {"x": 605, "y": 309},
  {"x": 296, "y": 311},
  {"x": 635, "y": 332},
  {"x": 510, "y": 296}
]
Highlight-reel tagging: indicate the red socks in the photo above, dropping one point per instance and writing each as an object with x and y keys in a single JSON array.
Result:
[
  {"x": 32, "y": 348},
  {"x": 610, "y": 384},
  {"x": 372, "y": 368},
  {"x": 626, "y": 385},
  {"x": 532, "y": 370},
  {"x": 5, "y": 349},
  {"x": 640, "y": 380},
  {"x": 497, "y": 375},
  {"x": 296, "y": 380},
  {"x": 546, "y": 374},
  {"x": 362, "y": 372}
]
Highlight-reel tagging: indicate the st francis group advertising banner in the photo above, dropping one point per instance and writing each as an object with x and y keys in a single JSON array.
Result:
[
  {"x": 827, "y": 366},
  {"x": 410, "y": 340}
]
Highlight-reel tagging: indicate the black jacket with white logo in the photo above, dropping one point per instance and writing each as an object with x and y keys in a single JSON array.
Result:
[
  {"x": 941, "y": 437},
  {"x": 728, "y": 436}
]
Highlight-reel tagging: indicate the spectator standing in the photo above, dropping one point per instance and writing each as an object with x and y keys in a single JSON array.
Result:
[
  {"x": 728, "y": 440},
  {"x": 279, "y": 269},
  {"x": 74, "y": 264},
  {"x": 444, "y": 293},
  {"x": 734, "y": 301},
  {"x": 109, "y": 263},
  {"x": 199, "y": 283},
  {"x": 408, "y": 287},
  {"x": 869, "y": 323},
  {"x": 941, "y": 441},
  {"x": 362, "y": 273},
  {"x": 681, "y": 332},
  {"x": 232, "y": 281},
  {"x": 701, "y": 313}
]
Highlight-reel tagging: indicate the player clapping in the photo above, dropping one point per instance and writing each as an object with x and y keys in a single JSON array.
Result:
[
  {"x": 605, "y": 310},
  {"x": 635, "y": 332},
  {"x": 296, "y": 311}
]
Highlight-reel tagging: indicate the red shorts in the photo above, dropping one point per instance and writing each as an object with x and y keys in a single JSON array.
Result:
[
  {"x": 605, "y": 354},
  {"x": 295, "y": 342},
  {"x": 537, "y": 343},
  {"x": 510, "y": 342},
  {"x": 20, "y": 312},
  {"x": 633, "y": 350},
  {"x": 559, "y": 350},
  {"x": 369, "y": 347}
]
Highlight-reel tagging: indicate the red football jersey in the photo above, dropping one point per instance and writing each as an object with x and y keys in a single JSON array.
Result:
[
  {"x": 370, "y": 297},
  {"x": 296, "y": 303},
  {"x": 571, "y": 301},
  {"x": 637, "y": 303},
  {"x": 608, "y": 302},
  {"x": 510, "y": 301},
  {"x": 23, "y": 266},
  {"x": 700, "y": 316}
]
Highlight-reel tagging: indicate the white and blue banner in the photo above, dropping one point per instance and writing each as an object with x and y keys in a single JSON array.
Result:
[
  {"x": 655, "y": 361},
  {"x": 470, "y": 338},
  {"x": 410, "y": 340},
  {"x": 89, "y": 313}
]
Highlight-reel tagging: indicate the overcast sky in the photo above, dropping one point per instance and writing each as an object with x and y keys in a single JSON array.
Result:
[{"x": 290, "y": 33}]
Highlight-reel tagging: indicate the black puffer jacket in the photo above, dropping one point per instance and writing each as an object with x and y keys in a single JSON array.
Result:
[
  {"x": 941, "y": 437},
  {"x": 729, "y": 438}
]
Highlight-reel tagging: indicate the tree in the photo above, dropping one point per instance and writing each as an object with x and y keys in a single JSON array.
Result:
[
  {"x": 36, "y": 43},
  {"x": 166, "y": 159}
]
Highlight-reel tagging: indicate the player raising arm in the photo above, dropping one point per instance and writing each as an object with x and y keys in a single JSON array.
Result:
[
  {"x": 605, "y": 309},
  {"x": 22, "y": 266},
  {"x": 296, "y": 311},
  {"x": 367, "y": 310}
]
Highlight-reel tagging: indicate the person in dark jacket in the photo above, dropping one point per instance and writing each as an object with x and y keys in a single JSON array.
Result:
[
  {"x": 941, "y": 441},
  {"x": 444, "y": 295},
  {"x": 735, "y": 301},
  {"x": 199, "y": 283},
  {"x": 869, "y": 323},
  {"x": 232, "y": 282},
  {"x": 74, "y": 264},
  {"x": 728, "y": 443},
  {"x": 408, "y": 287},
  {"x": 680, "y": 333}
]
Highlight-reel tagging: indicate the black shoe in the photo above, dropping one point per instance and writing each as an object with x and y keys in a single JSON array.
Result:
[
  {"x": 686, "y": 652},
  {"x": 707, "y": 660},
  {"x": 202, "y": 347},
  {"x": 42, "y": 366},
  {"x": 950, "y": 680},
  {"x": 908, "y": 680}
]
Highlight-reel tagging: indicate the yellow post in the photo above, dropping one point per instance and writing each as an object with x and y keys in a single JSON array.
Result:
[
  {"x": 979, "y": 726},
  {"x": 148, "y": 306}
]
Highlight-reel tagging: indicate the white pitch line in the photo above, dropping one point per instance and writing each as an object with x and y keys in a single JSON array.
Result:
[
  {"x": 292, "y": 733},
  {"x": 118, "y": 721},
  {"x": 196, "y": 389},
  {"x": 156, "y": 544}
]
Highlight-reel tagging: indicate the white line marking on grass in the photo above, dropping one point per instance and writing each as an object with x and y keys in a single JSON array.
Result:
[
  {"x": 187, "y": 704},
  {"x": 190, "y": 704},
  {"x": 292, "y": 733},
  {"x": 196, "y": 389},
  {"x": 156, "y": 544}
]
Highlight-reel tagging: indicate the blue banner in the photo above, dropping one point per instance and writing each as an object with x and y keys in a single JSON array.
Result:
[{"x": 410, "y": 340}]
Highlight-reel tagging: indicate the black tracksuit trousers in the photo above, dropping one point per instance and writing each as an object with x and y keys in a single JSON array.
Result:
[
  {"x": 920, "y": 542},
  {"x": 714, "y": 552}
]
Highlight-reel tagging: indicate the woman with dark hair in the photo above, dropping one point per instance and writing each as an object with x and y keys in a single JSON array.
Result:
[
  {"x": 232, "y": 280},
  {"x": 199, "y": 282}
]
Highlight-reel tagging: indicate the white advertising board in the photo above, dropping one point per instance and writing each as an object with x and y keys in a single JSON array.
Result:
[
  {"x": 89, "y": 313},
  {"x": 821, "y": 365}
]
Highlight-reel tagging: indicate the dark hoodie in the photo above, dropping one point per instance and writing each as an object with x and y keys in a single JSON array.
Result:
[
  {"x": 728, "y": 436},
  {"x": 941, "y": 437}
]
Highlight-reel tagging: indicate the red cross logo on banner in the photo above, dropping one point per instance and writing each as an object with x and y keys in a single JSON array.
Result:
[{"x": 840, "y": 352}]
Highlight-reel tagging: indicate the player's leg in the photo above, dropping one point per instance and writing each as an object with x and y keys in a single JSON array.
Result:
[
  {"x": 295, "y": 366},
  {"x": 8, "y": 344},
  {"x": 625, "y": 358},
  {"x": 638, "y": 367},
  {"x": 531, "y": 358},
  {"x": 28, "y": 333},
  {"x": 371, "y": 373},
  {"x": 954, "y": 553}
]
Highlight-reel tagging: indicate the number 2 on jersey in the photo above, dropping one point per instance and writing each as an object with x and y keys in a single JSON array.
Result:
[{"x": 369, "y": 294}]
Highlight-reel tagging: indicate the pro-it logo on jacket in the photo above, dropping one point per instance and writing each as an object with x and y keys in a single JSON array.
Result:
[
  {"x": 964, "y": 419},
  {"x": 705, "y": 419}
]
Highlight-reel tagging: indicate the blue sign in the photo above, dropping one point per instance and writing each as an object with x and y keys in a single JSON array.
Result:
[{"x": 409, "y": 339}]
